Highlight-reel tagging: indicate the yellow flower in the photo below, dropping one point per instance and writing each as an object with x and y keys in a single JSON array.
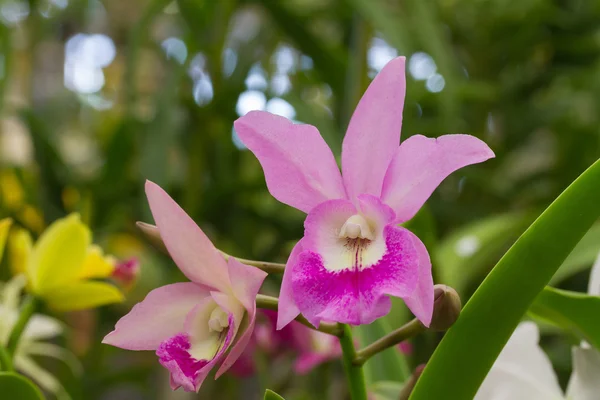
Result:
[
  {"x": 62, "y": 264},
  {"x": 4, "y": 227}
]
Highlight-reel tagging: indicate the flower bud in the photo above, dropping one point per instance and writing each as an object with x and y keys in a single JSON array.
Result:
[
  {"x": 446, "y": 308},
  {"x": 126, "y": 272},
  {"x": 153, "y": 235}
]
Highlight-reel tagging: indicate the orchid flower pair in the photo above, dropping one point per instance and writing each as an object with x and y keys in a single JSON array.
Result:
[
  {"x": 523, "y": 371},
  {"x": 353, "y": 254},
  {"x": 63, "y": 266}
]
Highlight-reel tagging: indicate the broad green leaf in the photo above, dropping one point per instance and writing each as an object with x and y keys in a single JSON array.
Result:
[
  {"x": 15, "y": 386},
  {"x": 573, "y": 311},
  {"x": 271, "y": 395},
  {"x": 470, "y": 347},
  {"x": 466, "y": 254},
  {"x": 582, "y": 256}
]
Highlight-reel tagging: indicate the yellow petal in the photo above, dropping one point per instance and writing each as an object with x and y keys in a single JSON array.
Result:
[
  {"x": 82, "y": 295},
  {"x": 20, "y": 245},
  {"x": 96, "y": 265},
  {"x": 11, "y": 190},
  {"x": 4, "y": 228},
  {"x": 58, "y": 256}
]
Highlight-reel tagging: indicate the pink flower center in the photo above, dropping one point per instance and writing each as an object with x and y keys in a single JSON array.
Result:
[{"x": 174, "y": 355}]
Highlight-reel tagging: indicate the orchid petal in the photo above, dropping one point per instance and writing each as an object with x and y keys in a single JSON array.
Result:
[
  {"x": 420, "y": 164},
  {"x": 96, "y": 264},
  {"x": 20, "y": 248},
  {"x": 584, "y": 383},
  {"x": 246, "y": 284},
  {"x": 58, "y": 255},
  {"x": 82, "y": 295},
  {"x": 522, "y": 371},
  {"x": 374, "y": 131},
  {"x": 299, "y": 167},
  {"x": 191, "y": 250},
  {"x": 4, "y": 228},
  {"x": 160, "y": 315},
  {"x": 420, "y": 302},
  {"x": 42, "y": 327},
  {"x": 288, "y": 310}
]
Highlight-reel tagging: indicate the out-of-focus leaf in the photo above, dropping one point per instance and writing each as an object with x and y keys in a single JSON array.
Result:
[
  {"x": 329, "y": 62},
  {"x": 465, "y": 254},
  {"x": 15, "y": 386},
  {"x": 271, "y": 395},
  {"x": 50, "y": 165},
  {"x": 385, "y": 390},
  {"x": 573, "y": 311},
  {"x": 469, "y": 349},
  {"x": 582, "y": 256}
]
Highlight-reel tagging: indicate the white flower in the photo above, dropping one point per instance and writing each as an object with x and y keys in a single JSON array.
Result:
[
  {"x": 523, "y": 371},
  {"x": 39, "y": 328}
]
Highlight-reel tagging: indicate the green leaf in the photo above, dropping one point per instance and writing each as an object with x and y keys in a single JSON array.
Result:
[
  {"x": 271, "y": 395},
  {"x": 573, "y": 311},
  {"x": 582, "y": 256},
  {"x": 467, "y": 253},
  {"x": 15, "y": 386},
  {"x": 470, "y": 347}
]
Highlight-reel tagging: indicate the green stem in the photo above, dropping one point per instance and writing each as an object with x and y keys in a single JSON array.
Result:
[
  {"x": 354, "y": 372},
  {"x": 272, "y": 303},
  {"x": 406, "y": 331},
  {"x": 5, "y": 360},
  {"x": 268, "y": 267},
  {"x": 29, "y": 307}
]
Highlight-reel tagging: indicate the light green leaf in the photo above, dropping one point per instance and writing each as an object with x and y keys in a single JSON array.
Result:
[
  {"x": 573, "y": 311},
  {"x": 15, "y": 386},
  {"x": 271, "y": 395},
  {"x": 582, "y": 256},
  {"x": 466, "y": 254},
  {"x": 470, "y": 347}
]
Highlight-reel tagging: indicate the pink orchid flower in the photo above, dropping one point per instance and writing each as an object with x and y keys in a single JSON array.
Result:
[
  {"x": 353, "y": 254},
  {"x": 192, "y": 325}
]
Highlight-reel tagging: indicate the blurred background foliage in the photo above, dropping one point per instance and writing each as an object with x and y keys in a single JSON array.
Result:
[{"x": 98, "y": 96}]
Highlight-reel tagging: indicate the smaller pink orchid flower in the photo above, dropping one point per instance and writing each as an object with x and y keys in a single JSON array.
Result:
[
  {"x": 353, "y": 254},
  {"x": 194, "y": 325}
]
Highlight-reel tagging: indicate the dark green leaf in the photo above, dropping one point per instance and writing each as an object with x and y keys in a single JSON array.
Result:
[{"x": 271, "y": 395}]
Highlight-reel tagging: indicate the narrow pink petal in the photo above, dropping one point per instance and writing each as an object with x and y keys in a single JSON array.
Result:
[
  {"x": 420, "y": 302},
  {"x": 189, "y": 247},
  {"x": 159, "y": 316},
  {"x": 287, "y": 309},
  {"x": 356, "y": 295},
  {"x": 299, "y": 167},
  {"x": 374, "y": 131},
  {"x": 246, "y": 282},
  {"x": 421, "y": 164}
]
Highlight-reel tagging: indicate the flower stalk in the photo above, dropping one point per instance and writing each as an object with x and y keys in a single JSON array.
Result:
[
  {"x": 406, "y": 331},
  {"x": 5, "y": 360},
  {"x": 354, "y": 372}
]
